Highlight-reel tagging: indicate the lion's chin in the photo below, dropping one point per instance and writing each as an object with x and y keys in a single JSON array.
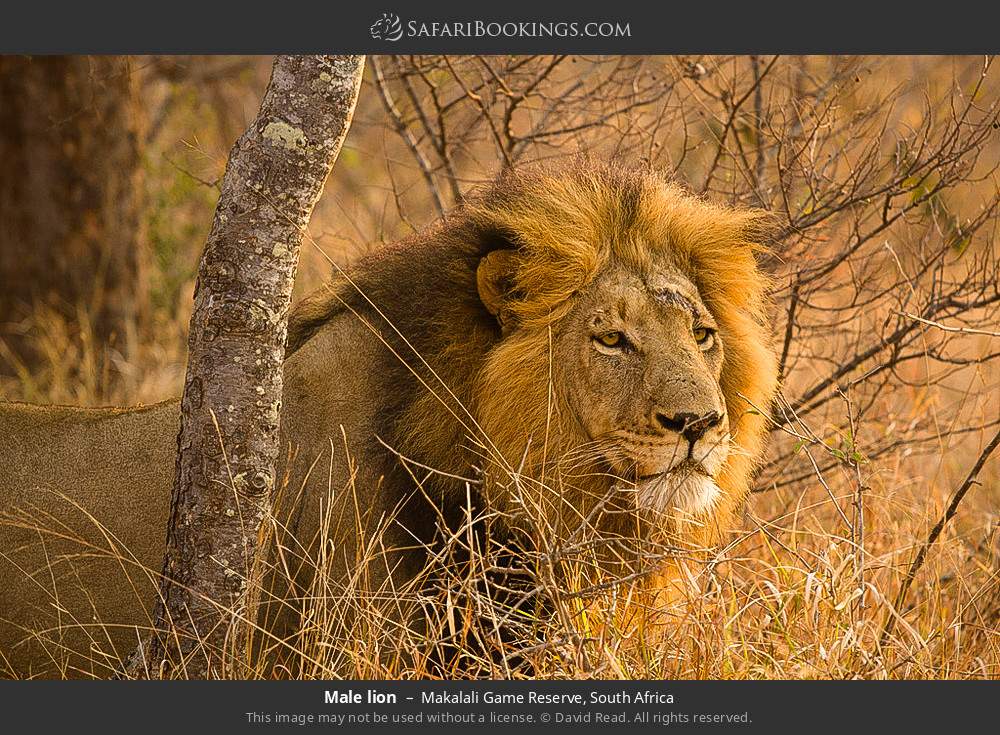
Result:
[{"x": 679, "y": 492}]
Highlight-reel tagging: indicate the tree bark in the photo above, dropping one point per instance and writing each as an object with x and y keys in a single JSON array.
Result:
[
  {"x": 70, "y": 190},
  {"x": 228, "y": 442}
]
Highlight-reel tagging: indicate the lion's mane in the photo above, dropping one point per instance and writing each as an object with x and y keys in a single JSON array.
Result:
[{"x": 465, "y": 383}]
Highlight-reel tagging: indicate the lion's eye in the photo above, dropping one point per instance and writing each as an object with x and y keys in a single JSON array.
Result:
[
  {"x": 610, "y": 339},
  {"x": 704, "y": 336}
]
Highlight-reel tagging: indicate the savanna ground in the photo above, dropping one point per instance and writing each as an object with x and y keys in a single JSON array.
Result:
[{"x": 883, "y": 176}]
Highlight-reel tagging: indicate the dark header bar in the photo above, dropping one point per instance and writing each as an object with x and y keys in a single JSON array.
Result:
[{"x": 445, "y": 26}]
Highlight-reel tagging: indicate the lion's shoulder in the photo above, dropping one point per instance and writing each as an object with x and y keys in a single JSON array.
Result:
[{"x": 406, "y": 287}]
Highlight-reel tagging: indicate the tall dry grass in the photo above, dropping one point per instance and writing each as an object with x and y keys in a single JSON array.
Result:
[{"x": 788, "y": 596}]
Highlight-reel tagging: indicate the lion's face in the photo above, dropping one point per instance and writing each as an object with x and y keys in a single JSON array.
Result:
[
  {"x": 638, "y": 360},
  {"x": 379, "y": 27},
  {"x": 386, "y": 28},
  {"x": 633, "y": 356}
]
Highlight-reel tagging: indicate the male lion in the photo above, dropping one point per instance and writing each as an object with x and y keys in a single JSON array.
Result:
[{"x": 586, "y": 345}]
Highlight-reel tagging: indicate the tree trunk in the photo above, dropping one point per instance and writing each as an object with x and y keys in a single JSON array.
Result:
[
  {"x": 70, "y": 190},
  {"x": 228, "y": 442}
]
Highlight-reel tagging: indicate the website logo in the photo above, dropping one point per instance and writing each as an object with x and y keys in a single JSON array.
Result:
[{"x": 387, "y": 28}]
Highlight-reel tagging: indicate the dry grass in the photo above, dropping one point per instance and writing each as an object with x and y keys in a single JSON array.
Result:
[{"x": 790, "y": 595}]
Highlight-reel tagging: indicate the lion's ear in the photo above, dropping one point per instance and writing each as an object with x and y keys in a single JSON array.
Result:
[{"x": 495, "y": 281}]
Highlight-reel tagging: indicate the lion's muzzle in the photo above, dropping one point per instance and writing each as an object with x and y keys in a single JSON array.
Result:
[{"x": 686, "y": 490}]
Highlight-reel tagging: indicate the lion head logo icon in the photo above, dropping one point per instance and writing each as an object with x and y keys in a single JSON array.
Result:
[{"x": 387, "y": 28}]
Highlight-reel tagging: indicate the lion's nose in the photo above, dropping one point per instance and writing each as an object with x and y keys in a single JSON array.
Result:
[{"x": 691, "y": 426}]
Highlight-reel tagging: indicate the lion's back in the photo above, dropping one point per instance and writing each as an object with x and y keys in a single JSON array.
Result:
[{"x": 84, "y": 499}]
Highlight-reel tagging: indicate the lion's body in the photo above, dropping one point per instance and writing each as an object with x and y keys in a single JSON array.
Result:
[
  {"x": 70, "y": 449},
  {"x": 401, "y": 353},
  {"x": 107, "y": 474}
]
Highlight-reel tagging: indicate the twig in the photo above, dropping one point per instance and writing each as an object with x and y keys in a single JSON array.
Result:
[
  {"x": 918, "y": 560},
  {"x": 404, "y": 132},
  {"x": 793, "y": 303},
  {"x": 946, "y": 328}
]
